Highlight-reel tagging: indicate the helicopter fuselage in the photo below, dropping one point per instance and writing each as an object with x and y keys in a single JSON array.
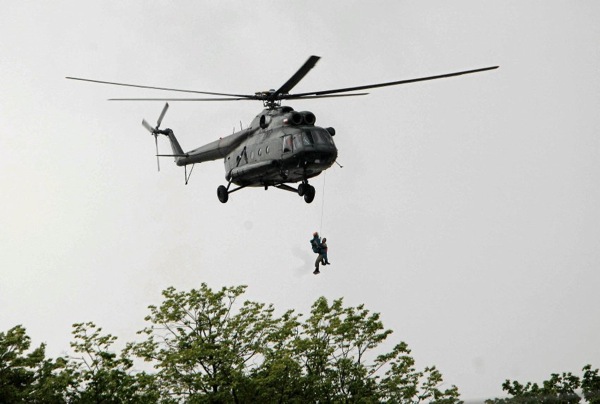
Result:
[{"x": 280, "y": 146}]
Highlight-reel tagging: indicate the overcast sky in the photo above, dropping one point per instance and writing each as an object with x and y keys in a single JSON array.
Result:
[{"x": 466, "y": 212}]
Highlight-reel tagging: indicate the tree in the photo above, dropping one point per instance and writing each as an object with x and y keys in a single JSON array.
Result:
[
  {"x": 207, "y": 349},
  {"x": 207, "y": 346},
  {"x": 559, "y": 389},
  {"x": 591, "y": 385},
  {"x": 202, "y": 348},
  {"x": 334, "y": 347},
  {"x": 29, "y": 377},
  {"x": 99, "y": 375}
]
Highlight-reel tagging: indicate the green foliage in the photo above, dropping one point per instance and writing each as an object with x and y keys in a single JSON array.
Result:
[
  {"x": 590, "y": 384},
  {"x": 207, "y": 346},
  {"x": 202, "y": 347},
  {"x": 28, "y": 377},
  {"x": 98, "y": 375},
  {"x": 404, "y": 384},
  {"x": 206, "y": 349},
  {"x": 559, "y": 389}
]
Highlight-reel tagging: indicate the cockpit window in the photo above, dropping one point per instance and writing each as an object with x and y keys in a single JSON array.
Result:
[
  {"x": 318, "y": 136},
  {"x": 307, "y": 138}
]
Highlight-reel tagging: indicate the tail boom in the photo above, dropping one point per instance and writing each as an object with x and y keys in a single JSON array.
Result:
[{"x": 212, "y": 151}]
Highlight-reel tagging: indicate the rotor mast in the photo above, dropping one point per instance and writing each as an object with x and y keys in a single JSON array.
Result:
[{"x": 267, "y": 98}]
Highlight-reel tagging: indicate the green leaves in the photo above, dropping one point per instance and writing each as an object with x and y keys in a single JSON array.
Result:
[
  {"x": 28, "y": 377},
  {"x": 98, "y": 374},
  {"x": 559, "y": 388},
  {"x": 210, "y": 346},
  {"x": 204, "y": 342}
]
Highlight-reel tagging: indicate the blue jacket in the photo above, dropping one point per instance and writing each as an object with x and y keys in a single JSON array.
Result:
[{"x": 316, "y": 244}]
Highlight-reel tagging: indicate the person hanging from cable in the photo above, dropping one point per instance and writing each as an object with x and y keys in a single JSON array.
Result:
[
  {"x": 315, "y": 243},
  {"x": 324, "y": 249},
  {"x": 319, "y": 247}
]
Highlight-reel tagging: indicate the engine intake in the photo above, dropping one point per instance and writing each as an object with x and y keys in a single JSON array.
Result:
[
  {"x": 296, "y": 118},
  {"x": 308, "y": 117}
]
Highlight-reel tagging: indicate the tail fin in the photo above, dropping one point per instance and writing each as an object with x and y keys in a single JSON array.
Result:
[{"x": 177, "y": 150}]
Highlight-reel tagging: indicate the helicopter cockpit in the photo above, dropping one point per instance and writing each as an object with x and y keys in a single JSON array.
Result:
[
  {"x": 308, "y": 139},
  {"x": 308, "y": 150}
]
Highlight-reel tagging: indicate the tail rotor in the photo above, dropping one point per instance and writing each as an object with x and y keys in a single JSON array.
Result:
[{"x": 156, "y": 131}]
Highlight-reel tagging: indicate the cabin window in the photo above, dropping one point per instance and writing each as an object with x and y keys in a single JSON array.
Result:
[
  {"x": 287, "y": 143},
  {"x": 251, "y": 154},
  {"x": 267, "y": 150},
  {"x": 297, "y": 141},
  {"x": 259, "y": 152}
]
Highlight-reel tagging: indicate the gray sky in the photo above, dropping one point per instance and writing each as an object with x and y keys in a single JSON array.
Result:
[{"x": 466, "y": 212}]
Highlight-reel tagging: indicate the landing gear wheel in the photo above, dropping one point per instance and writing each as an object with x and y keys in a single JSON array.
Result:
[
  {"x": 309, "y": 194},
  {"x": 222, "y": 194},
  {"x": 302, "y": 189}
]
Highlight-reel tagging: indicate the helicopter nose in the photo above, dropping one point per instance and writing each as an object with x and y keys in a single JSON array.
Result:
[{"x": 324, "y": 158}]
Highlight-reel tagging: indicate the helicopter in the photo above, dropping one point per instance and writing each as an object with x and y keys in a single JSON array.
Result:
[{"x": 281, "y": 146}]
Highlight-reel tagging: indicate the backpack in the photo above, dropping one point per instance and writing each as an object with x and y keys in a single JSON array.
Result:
[{"x": 314, "y": 245}]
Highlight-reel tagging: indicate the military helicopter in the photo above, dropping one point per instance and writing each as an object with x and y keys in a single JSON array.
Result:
[{"x": 280, "y": 147}]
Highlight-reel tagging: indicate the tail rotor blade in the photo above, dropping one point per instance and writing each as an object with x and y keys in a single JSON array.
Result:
[
  {"x": 162, "y": 115},
  {"x": 155, "y": 131},
  {"x": 157, "y": 158},
  {"x": 148, "y": 126}
]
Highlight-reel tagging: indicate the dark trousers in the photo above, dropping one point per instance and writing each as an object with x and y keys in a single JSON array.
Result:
[{"x": 318, "y": 261}]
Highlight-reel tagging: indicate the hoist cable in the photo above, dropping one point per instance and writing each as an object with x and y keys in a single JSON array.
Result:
[{"x": 322, "y": 205}]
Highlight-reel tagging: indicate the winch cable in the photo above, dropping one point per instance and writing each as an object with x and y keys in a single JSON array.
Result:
[{"x": 322, "y": 204}]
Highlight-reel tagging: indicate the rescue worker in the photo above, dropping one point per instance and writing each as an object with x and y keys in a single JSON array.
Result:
[
  {"x": 316, "y": 246},
  {"x": 324, "y": 252}
]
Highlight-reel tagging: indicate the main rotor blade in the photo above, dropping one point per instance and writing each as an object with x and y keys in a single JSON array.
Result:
[
  {"x": 162, "y": 115},
  {"x": 295, "y": 79},
  {"x": 394, "y": 83},
  {"x": 158, "y": 88},
  {"x": 184, "y": 99},
  {"x": 311, "y": 97},
  {"x": 286, "y": 97}
]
